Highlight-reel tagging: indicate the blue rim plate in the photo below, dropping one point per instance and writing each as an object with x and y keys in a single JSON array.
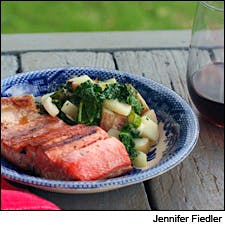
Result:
[{"x": 180, "y": 126}]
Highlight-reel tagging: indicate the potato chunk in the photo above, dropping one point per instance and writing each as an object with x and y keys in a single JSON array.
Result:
[
  {"x": 49, "y": 106},
  {"x": 151, "y": 115},
  {"x": 140, "y": 160},
  {"x": 76, "y": 81},
  {"x": 117, "y": 107},
  {"x": 69, "y": 109},
  {"x": 107, "y": 119},
  {"x": 142, "y": 144},
  {"x": 143, "y": 102},
  {"x": 111, "y": 119},
  {"x": 149, "y": 129}
]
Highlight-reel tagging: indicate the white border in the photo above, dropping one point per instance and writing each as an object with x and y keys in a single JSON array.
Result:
[{"x": 101, "y": 217}]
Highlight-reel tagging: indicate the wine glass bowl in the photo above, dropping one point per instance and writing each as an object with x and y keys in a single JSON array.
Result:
[{"x": 205, "y": 69}]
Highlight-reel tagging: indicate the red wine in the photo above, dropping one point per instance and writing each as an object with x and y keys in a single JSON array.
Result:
[{"x": 206, "y": 88}]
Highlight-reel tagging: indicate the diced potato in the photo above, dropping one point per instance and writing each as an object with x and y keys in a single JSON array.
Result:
[
  {"x": 80, "y": 79},
  {"x": 111, "y": 119},
  {"x": 151, "y": 115},
  {"x": 140, "y": 160},
  {"x": 111, "y": 81},
  {"x": 141, "y": 99},
  {"x": 142, "y": 144},
  {"x": 49, "y": 106},
  {"x": 149, "y": 129},
  {"x": 119, "y": 121},
  {"x": 70, "y": 110},
  {"x": 113, "y": 133},
  {"x": 76, "y": 81},
  {"x": 117, "y": 107},
  {"x": 107, "y": 119},
  {"x": 143, "y": 102},
  {"x": 44, "y": 97}
]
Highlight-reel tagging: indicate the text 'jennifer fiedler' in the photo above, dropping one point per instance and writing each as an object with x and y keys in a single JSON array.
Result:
[{"x": 193, "y": 218}]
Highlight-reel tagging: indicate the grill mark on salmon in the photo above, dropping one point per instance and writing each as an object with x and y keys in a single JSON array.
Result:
[
  {"x": 69, "y": 140},
  {"x": 99, "y": 160},
  {"x": 50, "y": 167},
  {"x": 28, "y": 131},
  {"x": 63, "y": 133},
  {"x": 19, "y": 141},
  {"x": 73, "y": 133},
  {"x": 96, "y": 161},
  {"x": 76, "y": 144},
  {"x": 56, "y": 150}
]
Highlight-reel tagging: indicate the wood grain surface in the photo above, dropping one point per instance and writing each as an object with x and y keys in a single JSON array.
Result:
[
  {"x": 195, "y": 184},
  {"x": 43, "y": 60},
  {"x": 198, "y": 182},
  {"x": 9, "y": 65},
  {"x": 131, "y": 198}
]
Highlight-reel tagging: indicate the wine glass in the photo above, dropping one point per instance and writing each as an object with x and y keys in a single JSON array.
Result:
[{"x": 205, "y": 70}]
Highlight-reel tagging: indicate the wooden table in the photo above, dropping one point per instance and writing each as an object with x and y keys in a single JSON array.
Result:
[{"x": 195, "y": 184}]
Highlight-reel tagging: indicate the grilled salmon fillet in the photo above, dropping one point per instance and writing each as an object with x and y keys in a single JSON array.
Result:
[
  {"x": 102, "y": 159},
  {"x": 55, "y": 150},
  {"x": 21, "y": 121}
]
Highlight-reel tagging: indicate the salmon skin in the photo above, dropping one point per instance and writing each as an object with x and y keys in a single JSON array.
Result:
[{"x": 55, "y": 150}]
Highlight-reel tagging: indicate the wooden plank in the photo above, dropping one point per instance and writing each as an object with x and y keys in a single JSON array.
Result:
[
  {"x": 9, "y": 65},
  {"x": 112, "y": 41},
  {"x": 129, "y": 198},
  {"x": 198, "y": 182},
  {"x": 218, "y": 55},
  {"x": 142, "y": 63},
  {"x": 43, "y": 60}
]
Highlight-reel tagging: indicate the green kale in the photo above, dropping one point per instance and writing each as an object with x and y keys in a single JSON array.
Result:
[
  {"x": 134, "y": 119},
  {"x": 58, "y": 98},
  {"x": 132, "y": 99},
  {"x": 126, "y": 136},
  {"x": 129, "y": 128},
  {"x": 88, "y": 96},
  {"x": 112, "y": 91},
  {"x": 128, "y": 142},
  {"x": 125, "y": 93},
  {"x": 61, "y": 95}
]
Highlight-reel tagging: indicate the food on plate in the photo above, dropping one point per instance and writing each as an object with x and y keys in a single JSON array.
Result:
[
  {"x": 110, "y": 120},
  {"x": 117, "y": 107},
  {"x": 85, "y": 130},
  {"x": 151, "y": 115},
  {"x": 49, "y": 106},
  {"x": 140, "y": 160},
  {"x": 142, "y": 144},
  {"x": 148, "y": 129},
  {"x": 103, "y": 159},
  {"x": 16, "y": 110},
  {"x": 110, "y": 105},
  {"x": 56, "y": 150}
]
